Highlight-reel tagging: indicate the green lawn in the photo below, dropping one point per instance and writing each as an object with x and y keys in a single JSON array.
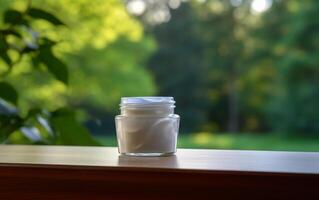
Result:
[{"x": 238, "y": 141}]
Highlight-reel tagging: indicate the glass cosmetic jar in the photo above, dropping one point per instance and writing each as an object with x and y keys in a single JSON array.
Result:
[{"x": 147, "y": 126}]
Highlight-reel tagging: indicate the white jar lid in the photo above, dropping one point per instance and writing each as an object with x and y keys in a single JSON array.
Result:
[{"x": 146, "y": 101}]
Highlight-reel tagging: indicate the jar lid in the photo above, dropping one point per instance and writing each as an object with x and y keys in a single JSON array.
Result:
[{"x": 146, "y": 101}]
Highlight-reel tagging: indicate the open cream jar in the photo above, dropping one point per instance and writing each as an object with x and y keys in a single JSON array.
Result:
[{"x": 147, "y": 126}]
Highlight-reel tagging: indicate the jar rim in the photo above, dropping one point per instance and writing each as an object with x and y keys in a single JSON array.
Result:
[{"x": 147, "y": 101}]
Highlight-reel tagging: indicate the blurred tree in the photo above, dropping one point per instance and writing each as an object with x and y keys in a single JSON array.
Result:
[
  {"x": 177, "y": 66},
  {"x": 233, "y": 78},
  {"x": 293, "y": 46},
  {"x": 224, "y": 55},
  {"x": 239, "y": 64}
]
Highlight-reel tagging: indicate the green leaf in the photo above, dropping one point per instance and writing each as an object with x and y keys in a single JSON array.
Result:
[
  {"x": 3, "y": 51},
  {"x": 47, "y": 42},
  {"x": 8, "y": 93},
  {"x": 41, "y": 14},
  {"x": 12, "y": 17},
  {"x": 63, "y": 112},
  {"x": 35, "y": 62},
  {"x": 34, "y": 112},
  {"x": 69, "y": 131},
  {"x": 28, "y": 49},
  {"x": 4, "y": 55},
  {"x": 54, "y": 65},
  {"x": 8, "y": 125},
  {"x": 10, "y": 32}
]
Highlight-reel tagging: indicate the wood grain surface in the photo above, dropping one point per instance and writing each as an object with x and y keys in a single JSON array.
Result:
[{"x": 59, "y": 172}]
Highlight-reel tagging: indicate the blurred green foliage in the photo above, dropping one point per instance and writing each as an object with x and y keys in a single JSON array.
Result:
[
  {"x": 38, "y": 125},
  {"x": 235, "y": 70},
  {"x": 102, "y": 47},
  {"x": 229, "y": 67},
  {"x": 178, "y": 66},
  {"x": 293, "y": 49}
]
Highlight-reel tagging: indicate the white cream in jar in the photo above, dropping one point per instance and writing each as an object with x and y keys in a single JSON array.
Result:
[{"x": 147, "y": 126}]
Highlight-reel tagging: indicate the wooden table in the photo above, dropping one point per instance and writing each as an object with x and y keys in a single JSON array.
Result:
[{"x": 60, "y": 172}]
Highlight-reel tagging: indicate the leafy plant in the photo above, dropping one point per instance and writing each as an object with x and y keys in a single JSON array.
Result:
[{"x": 38, "y": 126}]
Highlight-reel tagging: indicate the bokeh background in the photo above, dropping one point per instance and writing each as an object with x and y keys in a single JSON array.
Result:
[{"x": 244, "y": 73}]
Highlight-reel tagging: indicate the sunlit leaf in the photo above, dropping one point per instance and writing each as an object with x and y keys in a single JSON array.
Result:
[
  {"x": 41, "y": 14},
  {"x": 8, "y": 93}
]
